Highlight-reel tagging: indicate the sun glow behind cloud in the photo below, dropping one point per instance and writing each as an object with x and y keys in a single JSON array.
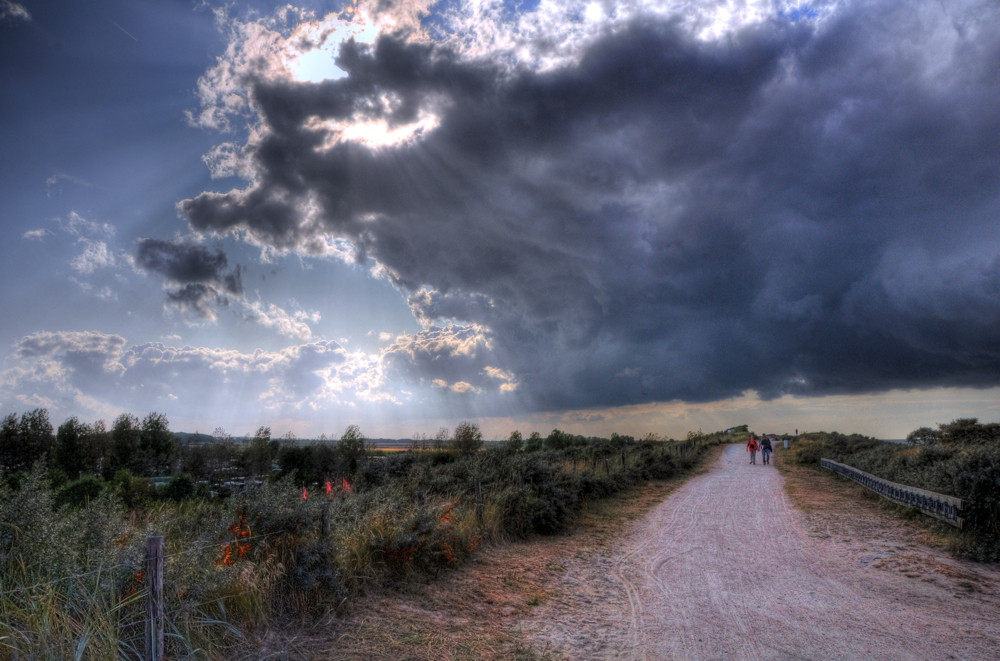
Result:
[{"x": 372, "y": 133}]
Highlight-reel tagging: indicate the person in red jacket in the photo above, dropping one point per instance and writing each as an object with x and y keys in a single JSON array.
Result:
[{"x": 752, "y": 448}]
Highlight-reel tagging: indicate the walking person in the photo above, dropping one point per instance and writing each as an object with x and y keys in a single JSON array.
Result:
[
  {"x": 765, "y": 449},
  {"x": 752, "y": 448}
]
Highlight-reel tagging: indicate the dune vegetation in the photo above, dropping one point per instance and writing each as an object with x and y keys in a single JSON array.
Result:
[
  {"x": 960, "y": 458},
  {"x": 262, "y": 529}
]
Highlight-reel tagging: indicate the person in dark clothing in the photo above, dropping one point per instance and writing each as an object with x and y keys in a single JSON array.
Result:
[{"x": 765, "y": 449}]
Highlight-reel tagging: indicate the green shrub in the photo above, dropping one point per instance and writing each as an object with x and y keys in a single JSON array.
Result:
[
  {"x": 180, "y": 487},
  {"x": 80, "y": 492},
  {"x": 965, "y": 464}
]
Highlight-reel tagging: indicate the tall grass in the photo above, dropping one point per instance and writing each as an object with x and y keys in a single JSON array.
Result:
[{"x": 72, "y": 583}]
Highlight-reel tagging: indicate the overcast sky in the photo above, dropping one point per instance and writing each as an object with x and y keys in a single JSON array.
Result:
[{"x": 598, "y": 216}]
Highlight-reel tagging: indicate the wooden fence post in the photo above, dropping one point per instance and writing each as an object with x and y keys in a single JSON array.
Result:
[
  {"x": 154, "y": 603},
  {"x": 479, "y": 502}
]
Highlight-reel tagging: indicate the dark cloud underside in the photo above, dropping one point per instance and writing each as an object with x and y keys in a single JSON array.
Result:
[
  {"x": 197, "y": 274},
  {"x": 791, "y": 209}
]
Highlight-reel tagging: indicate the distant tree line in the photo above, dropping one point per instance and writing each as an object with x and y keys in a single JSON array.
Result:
[{"x": 84, "y": 458}]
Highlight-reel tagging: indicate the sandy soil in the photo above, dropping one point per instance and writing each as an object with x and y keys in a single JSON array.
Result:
[
  {"x": 728, "y": 568},
  {"x": 739, "y": 562}
]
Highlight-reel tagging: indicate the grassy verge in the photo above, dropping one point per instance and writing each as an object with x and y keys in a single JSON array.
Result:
[
  {"x": 71, "y": 578},
  {"x": 970, "y": 472},
  {"x": 473, "y": 612}
]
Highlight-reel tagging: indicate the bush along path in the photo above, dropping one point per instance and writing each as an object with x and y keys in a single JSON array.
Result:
[
  {"x": 71, "y": 575},
  {"x": 727, "y": 567},
  {"x": 960, "y": 458}
]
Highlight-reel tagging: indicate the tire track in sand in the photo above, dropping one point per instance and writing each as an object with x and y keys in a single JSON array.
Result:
[{"x": 726, "y": 568}]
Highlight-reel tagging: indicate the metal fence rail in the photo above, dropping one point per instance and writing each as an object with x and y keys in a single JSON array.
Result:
[{"x": 940, "y": 506}]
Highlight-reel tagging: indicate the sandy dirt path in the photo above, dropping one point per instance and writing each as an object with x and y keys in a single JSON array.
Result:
[{"x": 728, "y": 568}]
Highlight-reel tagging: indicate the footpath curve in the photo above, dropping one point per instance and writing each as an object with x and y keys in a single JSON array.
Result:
[{"x": 728, "y": 568}]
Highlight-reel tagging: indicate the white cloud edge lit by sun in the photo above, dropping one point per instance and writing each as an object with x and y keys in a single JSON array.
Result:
[
  {"x": 66, "y": 370},
  {"x": 297, "y": 46},
  {"x": 295, "y": 324},
  {"x": 41, "y": 374}
]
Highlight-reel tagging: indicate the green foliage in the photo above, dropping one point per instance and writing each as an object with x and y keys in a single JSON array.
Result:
[
  {"x": 25, "y": 440},
  {"x": 534, "y": 442},
  {"x": 924, "y": 436},
  {"x": 468, "y": 438},
  {"x": 272, "y": 548},
  {"x": 968, "y": 431},
  {"x": 258, "y": 457},
  {"x": 79, "y": 493},
  {"x": 961, "y": 459},
  {"x": 514, "y": 442},
  {"x": 157, "y": 446},
  {"x": 125, "y": 432},
  {"x": 134, "y": 492},
  {"x": 351, "y": 449},
  {"x": 181, "y": 487},
  {"x": 558, "y": 440}
]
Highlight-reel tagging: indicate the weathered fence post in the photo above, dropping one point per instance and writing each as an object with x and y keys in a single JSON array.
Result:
[
  {"x": 479, "y": 502},
  {"x": 154, "y": 603}
]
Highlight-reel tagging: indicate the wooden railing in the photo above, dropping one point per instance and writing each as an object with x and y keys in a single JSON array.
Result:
[{"x": 940, "y": 506}]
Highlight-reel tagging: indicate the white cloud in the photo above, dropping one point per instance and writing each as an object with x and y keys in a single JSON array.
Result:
[
  {"x": 460, "y": 387},
  {"x": 93, "y": 371},
  {"x": 36, "y": 235},
  {"x": 509, "y": 380},
  {"x": 229, "y": 159},
  {"x": 105, "y": 293},
  {"x": 78, "y": 226},
  {"x": 96, "y": 255},
  {"x": 13, "y": 10},
  {"x": 293, "y": 324},
  {"x": 452, "y": 342}
]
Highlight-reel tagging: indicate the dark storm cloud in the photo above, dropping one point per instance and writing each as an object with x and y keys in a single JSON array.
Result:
[
  {"x": 794, "y": 208},
  {"x": 183, "y": 262},
  {"x": 199, "y": 275}
]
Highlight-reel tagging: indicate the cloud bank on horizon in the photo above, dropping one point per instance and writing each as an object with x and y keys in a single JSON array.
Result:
[{"x": 586, "y": 205}]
